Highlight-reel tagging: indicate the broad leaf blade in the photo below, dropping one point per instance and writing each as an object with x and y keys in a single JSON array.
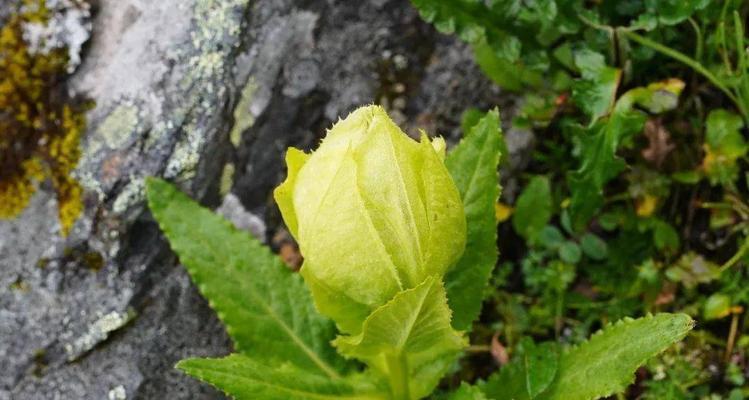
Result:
[
  {"x": 533, "y": 208},
  {"x": 244, "y": 378},
  {"x": 595, "y": 92},
  {"x": 266, "y": 308},
  {"x": 473, "y": 166},
  {"x": 531, "y": 371},
  {"x": 606, "y": 363},
  {"x": 415, "y": 326}
]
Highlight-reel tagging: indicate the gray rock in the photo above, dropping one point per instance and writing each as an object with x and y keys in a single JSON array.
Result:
[
  {"x": 233, "y": 210},
  {"x": 207, "y": 93},
  {"x": 106, "y": 309},
  {"x": 69, "y": 26}
]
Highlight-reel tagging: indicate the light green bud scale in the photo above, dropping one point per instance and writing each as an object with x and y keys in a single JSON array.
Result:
[{"x": 374, "y": 213}]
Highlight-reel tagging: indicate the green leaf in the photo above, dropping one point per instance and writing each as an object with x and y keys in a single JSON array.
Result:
[
  {"x": 550, "y": 237},
  {"x": 531, "y": 371},
  {"x": 599, "y": 162},
  {"x": 593, "y": 246},
  {"x": 596, "y": 91},
  {"x": 687, "y": 177},
  {"x": 470, "y": 20},
  {"x": 595, "y": 97},
  {"x": 511, "y": 40},
  {"x": 657, "y": 97},
  {"x": 570, "y": 252},
  {"x": 533, "y": 208},
  {"x": 266, "y": 308},
  {"x": 665, "y": 236},
  {"x": 409, "y": 338},
  {"x": 692, "y": 269},
  {"x": 724, "y": 145},
  {"x": 469, "y": 119},
  {"x": 473, "y": 166},
  {"x": 509, "y": 75},
  {"x": 600, "y": 142},
  {"x": 467, "y": 392},
  {"x": 672, "y": 12},
  {"x": 244, "y": 379},
  {"x": 717, "y": 306},
  {"x": 606, "y": 363}
]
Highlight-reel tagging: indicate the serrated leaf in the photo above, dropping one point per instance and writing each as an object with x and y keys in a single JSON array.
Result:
[
  {"x": 606, "y": 363},
  {"x": 595, "y": 92},
  {"x": 473, "y": 166},
  {"x": 266, "y": 308},
  {"x": 600, "y": 142},
  {"x": 412, "y": 330},
  {"x": 531, "y": 371},
  {"x": 244, "y": 378},
  {"x": 599, "y": 162},
  {"x": 467, "y": 392},
  {"x": 595, "y": 97},
  {"x": 533, "y": 208}
]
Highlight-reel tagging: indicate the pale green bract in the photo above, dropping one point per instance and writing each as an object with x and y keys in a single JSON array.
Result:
[
  {"x": 409, "y": 340},
  {"x": 374, "y": 213}
]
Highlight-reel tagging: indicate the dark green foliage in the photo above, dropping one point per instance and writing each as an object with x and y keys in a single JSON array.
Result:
[
  {"x": 473, "y": 165},
  {"x": 635, "y": 200},
  {"x": 531, "y": 371}
]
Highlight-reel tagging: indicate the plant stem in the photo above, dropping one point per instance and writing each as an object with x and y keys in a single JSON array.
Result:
[
  {"x": 689, "y": 62},
  {"x": 736, "y": 257},
  {"x": 478, "y": 348},
  {"x": 700, "y": 41},
  {"x": 398, "y": 376},
  {"x": 731, "y": 337}
]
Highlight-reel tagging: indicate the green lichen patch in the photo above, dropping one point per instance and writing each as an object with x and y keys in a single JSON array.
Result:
[
  {"x": 116, "y": 128},
  {"x": 243, "y": 119},
  {"x": 40, "y": 124}
]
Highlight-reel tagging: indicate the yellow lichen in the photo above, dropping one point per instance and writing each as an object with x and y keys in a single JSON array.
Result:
[{"x": 40, "y": 125}]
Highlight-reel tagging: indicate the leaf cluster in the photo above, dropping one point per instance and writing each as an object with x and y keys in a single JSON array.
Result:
[
  {"x": 635, "y": 198},
  {"x": 286, "y": 350}
]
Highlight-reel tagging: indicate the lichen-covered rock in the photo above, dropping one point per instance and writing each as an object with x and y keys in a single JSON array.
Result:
[
  {"x": 207, "y": 93},
  {"x": 72, "y": 311}
]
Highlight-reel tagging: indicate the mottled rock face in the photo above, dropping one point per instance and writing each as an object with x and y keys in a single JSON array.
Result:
[{"x": 207, "y": 93}]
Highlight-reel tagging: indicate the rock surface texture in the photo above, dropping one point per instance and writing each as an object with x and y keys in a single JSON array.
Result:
[{"x": 208, "y": 94}]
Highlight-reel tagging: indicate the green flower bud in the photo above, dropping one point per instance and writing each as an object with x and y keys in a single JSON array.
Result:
[{"x": 374, "y": 213}]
